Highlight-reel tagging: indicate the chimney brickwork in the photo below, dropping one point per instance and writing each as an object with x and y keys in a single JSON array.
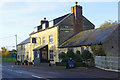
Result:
[{"x": 78, "y": 22}]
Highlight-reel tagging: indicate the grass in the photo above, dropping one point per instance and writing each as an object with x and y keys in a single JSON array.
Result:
[{"x": 8, "y": 59}]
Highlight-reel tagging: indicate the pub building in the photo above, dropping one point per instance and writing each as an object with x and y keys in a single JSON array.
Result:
[{"x": 46, "y": 39}]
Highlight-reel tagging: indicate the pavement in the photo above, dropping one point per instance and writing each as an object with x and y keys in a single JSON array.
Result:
[{"x": 11, "y": 71}]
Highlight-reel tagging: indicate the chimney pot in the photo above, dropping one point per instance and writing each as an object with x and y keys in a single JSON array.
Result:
[
  {"x": 76, "y": 3},
  {"x": 45, "y": 18}
]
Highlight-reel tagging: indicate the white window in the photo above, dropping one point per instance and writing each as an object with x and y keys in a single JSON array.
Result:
[
  {"x": 43, "y": 40},
  {"x": 51, "y": 55},
  {"x": 50, "y": 23},
  {"x": 51, "y": 39},
  {"x": 43, "y": 26}
]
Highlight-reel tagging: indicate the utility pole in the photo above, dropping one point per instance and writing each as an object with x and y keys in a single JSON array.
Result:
[{"x": 16, "y": 41}]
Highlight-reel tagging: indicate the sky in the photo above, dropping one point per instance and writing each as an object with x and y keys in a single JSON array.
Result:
[{"x": 20, "y": 18}]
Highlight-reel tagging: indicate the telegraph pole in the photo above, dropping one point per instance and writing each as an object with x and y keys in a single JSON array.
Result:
[{"x": 16, "y": 41}]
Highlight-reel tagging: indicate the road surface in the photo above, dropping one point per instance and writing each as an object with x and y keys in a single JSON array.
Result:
[{"x": 12, "y": 71}]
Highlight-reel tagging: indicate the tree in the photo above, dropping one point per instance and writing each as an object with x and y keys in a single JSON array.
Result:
[
  {"x": 108, "y": 23},
  {"x": 97, "y": 50},
  {"x": 4, "y": 51}
]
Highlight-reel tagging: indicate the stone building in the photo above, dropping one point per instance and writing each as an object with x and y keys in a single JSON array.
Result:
[
  {"x": 23, "y": 50},
  {"x": 46, "y": 38},
  {"x": 108, "y": 37}
]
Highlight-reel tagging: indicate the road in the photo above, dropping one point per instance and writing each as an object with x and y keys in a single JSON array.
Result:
[{"x": 45, "y": 73}]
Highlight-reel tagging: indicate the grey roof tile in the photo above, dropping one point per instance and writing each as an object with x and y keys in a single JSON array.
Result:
[
  {"x": 25, "y": 41},
  {"x": 88, "y": 37}
]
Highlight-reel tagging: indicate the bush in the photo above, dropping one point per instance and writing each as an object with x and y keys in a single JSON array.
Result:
[
  {"x": 86, "y": 55},
  {"x": 63, "y": 56},
  {"x": 18, "y": 61},
  {"x": 70, "y": 53},
  {"x": 60, "y": 63},
  {"x": 97, "y": 50},
  {"x": 79, "y": 64},
  {"x": 78, "y": 57},
  {"x": 26, "y": 61}
]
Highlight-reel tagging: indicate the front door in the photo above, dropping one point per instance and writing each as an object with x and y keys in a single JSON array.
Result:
[{"x": 44, "y": 55}]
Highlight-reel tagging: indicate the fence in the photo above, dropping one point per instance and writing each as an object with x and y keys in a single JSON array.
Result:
[{"x": 107, "y": 62}]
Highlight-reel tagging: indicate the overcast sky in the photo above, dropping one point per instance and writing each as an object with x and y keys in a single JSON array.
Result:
[{"x": 21, "y": 17}]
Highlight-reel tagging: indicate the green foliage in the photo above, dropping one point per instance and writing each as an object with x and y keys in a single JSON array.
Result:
[
  {"x": 79, "y": 64},
  {"x": 97, "y": 50},
  {"x": 78, "y": 52},
  {"x": 78, "y": 57},
  {"x": 18, "y": 61},
  {"x": 86, "y": 55},
  {"x": 109, "y": 23},
  {"x": 63, "y": 56},
  {"x": 26, "y": 61},
  {"x": 60, "y": 63},
  {"x": 70, "y": 53},
  {"x": 8, "y": 59}
]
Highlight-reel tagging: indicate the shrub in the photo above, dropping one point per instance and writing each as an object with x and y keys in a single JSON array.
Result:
[
  {"x": 60, "y": 63},
  {"x": 26, "y": 61},
  {"x": 97, "y": 50},
  {"x": 70, "y": 53},
  {"x": 79, "y": 64},
  {"x": 78, "y": 57},
  {"x": 78, "y": 52},
  {"x": 18, "y": 61},
  {"x": 86, "y": 55},
  {"x": 63, "y": 56}
]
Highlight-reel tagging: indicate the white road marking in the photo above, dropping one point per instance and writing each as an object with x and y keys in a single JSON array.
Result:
[
  {"x": 10, "y": 70},
  {"x": 15, "y": 71},
  {"x": 37, "y": 76},
  {"x": 18, "y": 71}
]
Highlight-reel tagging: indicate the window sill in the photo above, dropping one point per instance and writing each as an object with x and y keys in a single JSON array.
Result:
[{"x": 51, "y": 60}]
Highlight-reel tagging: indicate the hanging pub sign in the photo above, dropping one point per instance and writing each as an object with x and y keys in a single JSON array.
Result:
[{"x": 33, "y": 40}]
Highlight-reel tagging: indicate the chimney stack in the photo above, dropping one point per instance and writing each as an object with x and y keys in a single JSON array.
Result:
[
  {"x": 78, "y": 22},
  {"x": 43, "y": 21}
]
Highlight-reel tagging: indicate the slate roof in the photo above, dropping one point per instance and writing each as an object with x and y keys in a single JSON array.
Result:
[
  {"x": 88, "y": 37},
  {"x": 25, "y": 41},
  {"x": 56, "y": 20}
]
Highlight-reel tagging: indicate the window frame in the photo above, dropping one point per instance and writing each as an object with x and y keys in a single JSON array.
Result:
[
  {"x": 51, "y": 54},
  {"x": 50, "y": 39},
  {"x": 43, "y": 40}
]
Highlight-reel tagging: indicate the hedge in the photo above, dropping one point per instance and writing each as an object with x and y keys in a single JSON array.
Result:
[
  {"x": 77, "y": 64},
  {"x": 60, "y": 63}
]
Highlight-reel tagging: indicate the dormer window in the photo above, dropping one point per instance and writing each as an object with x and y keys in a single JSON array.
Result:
[{"x": 43, "y": 26}]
